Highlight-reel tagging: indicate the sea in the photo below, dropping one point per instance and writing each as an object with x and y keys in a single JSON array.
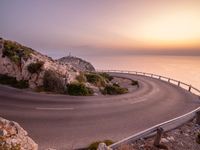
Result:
[{"x": 182, "y": 68}]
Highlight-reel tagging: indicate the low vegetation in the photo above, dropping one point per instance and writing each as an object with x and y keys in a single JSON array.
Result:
[
  {"x": 134, "y": 83},
  {"x": 81, "y": 78},
  {"x": 35, "y": 67},
  {"x": 114, "y": 90},
  {"x": 52, "y": 82},
  {"x": 79, "y": 89},
  {"x": 12, "y": 81},
  {"x": 15, "y": 51},
  {"x": 102, "y": 80},
  {"x": 6, "y": 146},
  {"x": 94, "y": 145},
  {"x": 96, "y": 79},
  {"x": 106, "y": 76}
]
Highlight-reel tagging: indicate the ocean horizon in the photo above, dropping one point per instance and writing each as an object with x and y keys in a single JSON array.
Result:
[{"x": 183, "y": 68}]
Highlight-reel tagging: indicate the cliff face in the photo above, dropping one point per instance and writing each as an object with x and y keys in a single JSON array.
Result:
[
  {"x": 16, "y": 58},
  {"x": 77, "y": 63}
]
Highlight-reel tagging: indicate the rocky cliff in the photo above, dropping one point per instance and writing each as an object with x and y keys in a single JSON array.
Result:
[
  {"x": 14, "y": 137},
  {"x": 23, "y": 67},
  {"x": 77, "y": 63},
  {"x": 26, "y": 64}
]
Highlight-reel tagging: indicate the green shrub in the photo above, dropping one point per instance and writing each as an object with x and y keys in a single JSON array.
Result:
[
  {"x": 78, "y": 89},
  {"x": 95, "y": 79},
  {"x": 7, "y": 80},
  {"x": 81, "y": 78},
  {"x": 35, "y": 67},
  {"x": 113, "y": 90},
  {"x": 22, "y": 84},
  {"x": 106, "y": 76},
  {"x": 39, "y": 89},
  {"x": 52, "y": 82},
  {"x": 15, "y": 51},
  {"x": 133, "y": 82},
  {"x": 94, "y": 145},
  {"x": 6, "y": 146}
]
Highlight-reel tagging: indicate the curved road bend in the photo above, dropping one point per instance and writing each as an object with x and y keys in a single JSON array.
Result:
[{"x": 66, "y": 122}]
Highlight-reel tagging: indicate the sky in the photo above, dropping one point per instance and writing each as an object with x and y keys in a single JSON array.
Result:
[{"x": 103, "y": 27}]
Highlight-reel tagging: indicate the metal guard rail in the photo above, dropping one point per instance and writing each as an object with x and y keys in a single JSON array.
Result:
[{"x": 153, "y": 129}]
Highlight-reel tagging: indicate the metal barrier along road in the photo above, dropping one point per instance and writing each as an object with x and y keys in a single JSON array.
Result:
[
  {"x": 159, "y": 128},
  {"x": 170, "y": 80}
]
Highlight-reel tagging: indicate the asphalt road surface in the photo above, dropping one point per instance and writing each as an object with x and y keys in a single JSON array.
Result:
[{"x": 69, "y": 122}]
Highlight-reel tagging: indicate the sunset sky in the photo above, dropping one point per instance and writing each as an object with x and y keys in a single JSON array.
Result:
[{"x": 103, "y": 27}]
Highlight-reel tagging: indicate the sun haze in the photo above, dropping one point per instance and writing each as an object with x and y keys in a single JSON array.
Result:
[{"x": 115, "y": 26}]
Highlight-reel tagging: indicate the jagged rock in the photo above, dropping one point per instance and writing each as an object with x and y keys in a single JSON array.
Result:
[
  {"x": 77, "y": 63},
  {"x": 103, "y": 146},
  {"x": 3, "y": 132},
  {"x": 171, "y": 138},
  {"x": 14, "y": 136},
  {"x": 164, "y": 140},
  {"x": 8, "y": 66}
]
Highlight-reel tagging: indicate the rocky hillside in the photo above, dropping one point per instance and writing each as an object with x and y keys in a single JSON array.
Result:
[
  {"x": 14, "y": 137},
  {"x": 30, "y": 66},
  {"x": 77, "y": 63},
  {"x": 23, "y": 67}
]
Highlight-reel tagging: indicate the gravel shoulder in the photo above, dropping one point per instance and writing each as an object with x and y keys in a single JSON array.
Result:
[{"x": 184, "y": 137}]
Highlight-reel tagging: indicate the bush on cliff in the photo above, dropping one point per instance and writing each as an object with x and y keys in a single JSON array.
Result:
[
  {"x": 95, "y": 79},
  {"x": 114, "y": 90},
  {"x": 81, "y": 78},
  {"x": 106, "y": 76},
  {"x": 133, "y": 82},
  {"x": 6, "y": 146},
  {"x": 53, "y": 82},
  {"x": 35, "y": 67},
  {"x": 7, "y": 80},
  {"x": 15, "y": 51},
  {"x": 79, "y": 89}
]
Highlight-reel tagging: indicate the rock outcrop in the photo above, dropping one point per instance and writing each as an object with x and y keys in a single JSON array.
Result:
[
  {"x": 15, "y": 59},
  {"x": 13, "y": 136},
  {"x": 77, "y": 63}
]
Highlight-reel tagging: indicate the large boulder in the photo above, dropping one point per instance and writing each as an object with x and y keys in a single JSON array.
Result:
[{"x": 13, "y": 136}]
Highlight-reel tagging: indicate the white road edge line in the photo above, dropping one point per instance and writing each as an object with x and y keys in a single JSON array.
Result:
[{"x": 51, "y": 108}]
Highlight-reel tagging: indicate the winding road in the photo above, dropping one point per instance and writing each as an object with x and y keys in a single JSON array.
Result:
[{"x": 69, "y": 122}]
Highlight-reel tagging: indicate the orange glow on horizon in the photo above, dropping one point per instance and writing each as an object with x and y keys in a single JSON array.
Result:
[{"x": 175, "y": 29}]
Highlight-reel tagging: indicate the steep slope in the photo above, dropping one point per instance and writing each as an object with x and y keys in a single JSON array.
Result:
[
  {"x": 26, "y": 64},
  {"x": 77, "y": 63},
  {"x": 23, "y": 67}
]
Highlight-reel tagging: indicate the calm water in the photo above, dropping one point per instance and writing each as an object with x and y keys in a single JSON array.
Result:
[{"x": 183, "y": 68}]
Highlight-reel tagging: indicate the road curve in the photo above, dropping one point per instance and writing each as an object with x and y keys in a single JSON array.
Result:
[{"x": 69, "y": 122}]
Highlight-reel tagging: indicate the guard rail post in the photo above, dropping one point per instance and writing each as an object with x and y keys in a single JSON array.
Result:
[
  {"x": 179, "y": 83},
  {"x": 158, "y": 136},
  {"x": 189, "y": 88},
  {"x": 198, "y": 117}
]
